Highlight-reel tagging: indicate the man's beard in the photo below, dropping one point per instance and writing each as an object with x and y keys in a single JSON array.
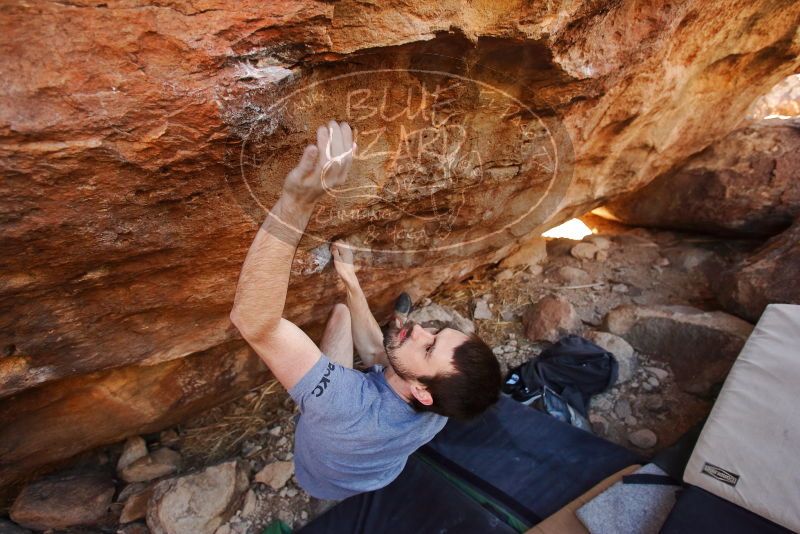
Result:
[{"x": 392, "y": 341}]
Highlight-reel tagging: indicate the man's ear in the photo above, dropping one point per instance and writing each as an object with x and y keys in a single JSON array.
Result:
[{"x": 422, "y": 394}]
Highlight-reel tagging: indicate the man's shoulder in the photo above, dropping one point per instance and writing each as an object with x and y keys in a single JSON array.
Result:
[{"x": 330, "y": 390}]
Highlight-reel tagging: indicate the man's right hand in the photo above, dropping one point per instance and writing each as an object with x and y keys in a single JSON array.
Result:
[
  {"x": 323, "y": 166},
  {"x": 343, "y": 262}
]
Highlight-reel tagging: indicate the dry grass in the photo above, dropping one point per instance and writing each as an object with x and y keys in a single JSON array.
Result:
[
  {"x": 220, "y": 432},
  {"x": 506, "y": 294}
]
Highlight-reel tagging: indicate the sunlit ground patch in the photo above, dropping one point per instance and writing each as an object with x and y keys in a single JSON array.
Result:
[{"x": 572, "y": 229}]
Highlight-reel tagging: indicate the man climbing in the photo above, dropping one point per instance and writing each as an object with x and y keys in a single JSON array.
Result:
[{"x": 355, "y": 430}]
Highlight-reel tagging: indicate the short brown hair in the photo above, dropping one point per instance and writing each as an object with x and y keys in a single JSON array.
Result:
[{"x": 471, "y": 389}]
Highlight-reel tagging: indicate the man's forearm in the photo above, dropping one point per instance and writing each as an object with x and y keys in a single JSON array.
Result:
[
  {"x": 261, "y": 292},
  {"x": 367, "y": 335}
]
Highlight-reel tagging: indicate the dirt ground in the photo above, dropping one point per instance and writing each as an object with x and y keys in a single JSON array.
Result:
[{"x": 643, "y": 267}]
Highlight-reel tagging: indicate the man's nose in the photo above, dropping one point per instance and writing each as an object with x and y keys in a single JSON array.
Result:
[{"x": 420, "y": 334}]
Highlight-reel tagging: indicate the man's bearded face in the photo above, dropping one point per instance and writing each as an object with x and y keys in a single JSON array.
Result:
[{"x": 394, "y": 338}]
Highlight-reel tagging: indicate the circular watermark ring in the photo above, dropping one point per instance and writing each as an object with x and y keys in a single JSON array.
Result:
[{"x": 447, "y": 145}]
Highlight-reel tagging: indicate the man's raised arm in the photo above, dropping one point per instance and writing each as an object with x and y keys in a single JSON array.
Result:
[
  {"x": 261, "y": 292},
  {"x": 367, "y": 335}
]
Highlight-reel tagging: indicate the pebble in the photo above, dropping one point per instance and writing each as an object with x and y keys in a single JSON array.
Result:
[
  {"x": 622, "y": 408},
  {"x": 603, "y": 404},
  {"x": 133, "y": 449},
  {"x": 619, "y": 288},
  {"x": 643, "y": 439},
  {"x": 601, "y": 242},
  {"x": 599, "y": 424},
  {"x": 584, "y": 251},
  {"x": 653, "y": 381},
  {"x": 250, "y": 503},
  {"x": 654, "y": 403},
  {"x": 659, "y": 373},
  {"x": 159, "y": 463},
  {"x": 275, "y": 431},
  {"x": 275, "y": 474},
  {"x": 482, "y": 310},
  {"x": 574, "y": 276}
]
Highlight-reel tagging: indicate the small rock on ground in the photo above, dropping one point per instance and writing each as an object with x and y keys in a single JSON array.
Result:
[
  {"x": 643, "y": 439},
  {"x": 584, "y": 251},
  {"x": 198, "y": 503},
  {"x": 157, "y": 464},
  {"x": 276, "y": 474},
  {"x": 622, "y": 408},
  {"x": 573, "y": 276},
  {"x": 549, "y": 319},
  {"x": 660, "y": 374},
  {"x": 622, "y": 351},
  {"x": 133, "y": 449},
  {"x": 482, "y": 310},
  {"x": 136, "y": 506}
]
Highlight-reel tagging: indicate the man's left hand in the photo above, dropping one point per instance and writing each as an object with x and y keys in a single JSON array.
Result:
[{"x": 323, "y": 166}]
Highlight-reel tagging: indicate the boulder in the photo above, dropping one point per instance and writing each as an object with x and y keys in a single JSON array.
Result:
[
  {"x": 139, "y": 159},
  {"x": 275, "y": 474},
  {"x": 621, "y": 349},
  {"x": 549, "y": 319},
  {"x": 198, "y": 503},
  {"x": 437, "y": 316},
  {"x": 63, "y": 501},
  {"x": 699, "y": 346},
  {"x": 159, "y": 463},
  {"x": 769, "y": 275},
  {"x": 744, "y": 184}
]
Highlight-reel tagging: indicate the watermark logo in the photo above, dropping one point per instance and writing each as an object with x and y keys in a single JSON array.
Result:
[{"x": 450, "y": 164}]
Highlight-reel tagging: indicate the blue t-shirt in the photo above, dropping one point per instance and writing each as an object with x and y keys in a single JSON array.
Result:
[{"x": 354, "y": 433}]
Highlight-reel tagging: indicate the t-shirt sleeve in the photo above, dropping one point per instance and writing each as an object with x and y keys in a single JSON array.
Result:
[{"x": 329, "y": 391}]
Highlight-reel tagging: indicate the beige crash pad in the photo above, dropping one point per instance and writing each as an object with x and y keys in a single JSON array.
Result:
[{"x": 747, "y": 452}]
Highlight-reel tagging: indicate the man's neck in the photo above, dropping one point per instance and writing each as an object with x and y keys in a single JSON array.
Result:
[{"x": 399, "y": 385}]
